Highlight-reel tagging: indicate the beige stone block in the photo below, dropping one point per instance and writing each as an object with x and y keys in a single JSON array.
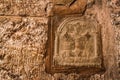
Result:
[
  {"x": 23, "y": 7},
  {"x": 67, "y": 7},
  {"x": 22, "y": 46},
  {"x": 74, "y": 46}
]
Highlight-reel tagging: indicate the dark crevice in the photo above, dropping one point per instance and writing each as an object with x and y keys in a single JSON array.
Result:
[{"x": 2, "y": 56}]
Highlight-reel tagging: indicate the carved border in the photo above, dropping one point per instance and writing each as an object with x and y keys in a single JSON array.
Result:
[{"x": 54, "y": 23}]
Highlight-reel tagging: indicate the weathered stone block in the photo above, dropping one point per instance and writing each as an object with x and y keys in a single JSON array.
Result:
[
  {"x": 8, "y": 7},
  {"x": 63, "y": 2},
  {"x": 74, "y": 43},
  {"x": 23, "y": 7},
  {"x": 22, "y": 46},
  {"x": 35, "y": 8},
  {"x": 67, "y": 7}
]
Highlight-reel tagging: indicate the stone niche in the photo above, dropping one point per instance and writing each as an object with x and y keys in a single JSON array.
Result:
[{"x": 74, "y": 45}]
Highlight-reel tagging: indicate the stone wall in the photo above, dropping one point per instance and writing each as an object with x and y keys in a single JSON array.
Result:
[{"x": 23, "y": 37}]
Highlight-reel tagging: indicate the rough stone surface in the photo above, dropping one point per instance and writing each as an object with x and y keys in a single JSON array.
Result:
[
  {"x": 77, "y": 47},
  {"x": 23, "y": 40},
  {"x": 63, "y": 2},
  {"x": 23, "y": 7},
  {"x": 76, "y": 7},
  {"x": 22, "y": 47}
]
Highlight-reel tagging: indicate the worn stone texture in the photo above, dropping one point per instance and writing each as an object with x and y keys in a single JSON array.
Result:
[
  {"x": 76, "y": 43},
  {"x": 23, "y": 40},
  {"x": 62, "y": 8},
  {"x": 63, "y": 2},
  {"x": 23, "y": 7},
  {"x": 22, "y": 47}
]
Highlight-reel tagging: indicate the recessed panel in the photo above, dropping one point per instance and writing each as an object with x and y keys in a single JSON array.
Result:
[{"x": 74, "y": 45}]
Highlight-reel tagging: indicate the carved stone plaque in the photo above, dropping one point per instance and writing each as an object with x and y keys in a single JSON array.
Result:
[{"x": 75, "y": 45}]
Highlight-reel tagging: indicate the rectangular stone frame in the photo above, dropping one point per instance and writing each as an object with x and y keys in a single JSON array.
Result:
[{"x": 54, "y": 22}]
